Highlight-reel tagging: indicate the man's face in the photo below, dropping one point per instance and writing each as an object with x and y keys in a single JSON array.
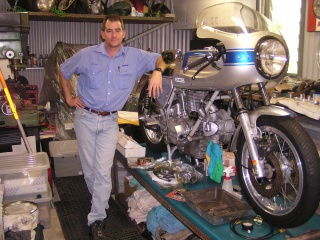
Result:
[{"x": 113, "y": 34}]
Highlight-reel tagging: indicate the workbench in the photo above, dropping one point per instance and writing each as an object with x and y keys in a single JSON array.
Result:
[{"x": 197, "y": 224}]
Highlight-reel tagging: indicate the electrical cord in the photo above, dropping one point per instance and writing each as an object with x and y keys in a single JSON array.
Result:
[{"x": 251, "y": 219}]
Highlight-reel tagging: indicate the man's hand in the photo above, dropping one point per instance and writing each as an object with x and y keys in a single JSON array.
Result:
[
  {"x": 75, "y": 102},
  {"x": 155, "y": 84}
]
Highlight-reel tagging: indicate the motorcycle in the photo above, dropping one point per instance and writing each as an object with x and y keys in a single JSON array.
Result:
[{"x": 204, "y": 99}]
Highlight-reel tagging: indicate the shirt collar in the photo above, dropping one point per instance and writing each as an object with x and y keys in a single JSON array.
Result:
[{"x": 101, "y": 48}]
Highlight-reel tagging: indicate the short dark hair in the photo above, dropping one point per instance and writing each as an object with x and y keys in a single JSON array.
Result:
[{"x": 112, "y": 18}]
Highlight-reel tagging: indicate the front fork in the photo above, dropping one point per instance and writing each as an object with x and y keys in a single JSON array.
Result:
[{"x": 250, "y": 133}]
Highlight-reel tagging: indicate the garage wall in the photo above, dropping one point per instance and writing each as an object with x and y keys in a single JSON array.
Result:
[{"x": 45, "y": 34}]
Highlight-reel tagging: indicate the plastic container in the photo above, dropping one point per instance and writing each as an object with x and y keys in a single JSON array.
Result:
[
  {"x": 44, "y": 208},
  {"x": 25, "y": 176},
  {"x": 65, "y": 158},
  {"x": 227, "y": 181}
]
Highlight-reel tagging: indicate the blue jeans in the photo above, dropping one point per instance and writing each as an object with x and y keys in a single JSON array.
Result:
[{"x": 97, "y": 138}]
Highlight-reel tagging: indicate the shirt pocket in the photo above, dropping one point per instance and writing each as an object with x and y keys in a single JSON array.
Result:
[
  {"x": 95, "y": 80},
  {"x": 126, "y": 77}
]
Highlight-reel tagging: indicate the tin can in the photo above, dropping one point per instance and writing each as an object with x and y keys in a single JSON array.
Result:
[{"x": 20, "y": 215}]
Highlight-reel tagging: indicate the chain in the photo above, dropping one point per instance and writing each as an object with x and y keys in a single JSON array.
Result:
[{"x": 172, "y": 9}]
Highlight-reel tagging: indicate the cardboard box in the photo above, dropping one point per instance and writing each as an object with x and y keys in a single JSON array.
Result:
[
  {"x": 129, "y": 148},
  {"x": 66, "y": 158},
  {"x": 128, "y": 190}
]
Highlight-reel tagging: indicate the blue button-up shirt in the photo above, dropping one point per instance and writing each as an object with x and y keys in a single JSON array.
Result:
[{"x": 105, "y": 83}]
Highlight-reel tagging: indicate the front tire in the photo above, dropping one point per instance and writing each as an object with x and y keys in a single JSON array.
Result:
[{"x": 289, "y": 193}]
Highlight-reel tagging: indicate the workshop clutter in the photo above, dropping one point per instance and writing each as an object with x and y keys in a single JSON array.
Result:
[
  {"x": 66, "y": 158},
  {"x": 144, "y": 208},
  {"x": 20, "y": 219},
  {"x": 25, "y": 178}
]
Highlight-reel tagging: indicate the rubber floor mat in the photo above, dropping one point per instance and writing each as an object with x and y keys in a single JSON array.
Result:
[
  {"x": 75, "y": 205},
  {"x": 72, "y": 188}
]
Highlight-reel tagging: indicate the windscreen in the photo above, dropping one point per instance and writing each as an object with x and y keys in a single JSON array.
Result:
[{"x": 234, "y": 18}]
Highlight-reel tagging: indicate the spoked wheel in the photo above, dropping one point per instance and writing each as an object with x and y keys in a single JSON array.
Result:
[
  {"x": 289, "y": 193},
  {"x": 151, "y": 133}
]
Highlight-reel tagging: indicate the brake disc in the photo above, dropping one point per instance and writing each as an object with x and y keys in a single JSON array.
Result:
[{"x": 270, "y": 185}]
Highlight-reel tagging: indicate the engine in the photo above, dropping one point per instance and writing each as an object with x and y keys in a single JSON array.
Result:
[{"x": 216, "y": 124}]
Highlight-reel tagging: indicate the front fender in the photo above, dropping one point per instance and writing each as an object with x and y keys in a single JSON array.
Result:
[{"x": 271, "y": 110}]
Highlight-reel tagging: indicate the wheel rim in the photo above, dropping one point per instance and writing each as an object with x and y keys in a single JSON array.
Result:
[{"x": 281, "y": 190}]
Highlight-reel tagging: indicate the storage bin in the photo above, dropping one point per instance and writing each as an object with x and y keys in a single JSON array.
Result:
[
  {"x": 25, "y": 176},
  {"x": 44, "y": 208},
  {"x": 66, "y": 158}
]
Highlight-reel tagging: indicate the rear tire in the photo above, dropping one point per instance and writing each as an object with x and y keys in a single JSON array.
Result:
[{"x": 289, "y": 194}]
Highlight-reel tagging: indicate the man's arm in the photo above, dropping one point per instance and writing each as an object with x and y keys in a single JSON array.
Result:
[
  {"x": 67, "y": 90},
  {"x": 155, "y": 84}
]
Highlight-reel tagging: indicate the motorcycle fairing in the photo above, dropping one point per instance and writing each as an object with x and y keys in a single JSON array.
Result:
[{"x": 239, "y": 57}]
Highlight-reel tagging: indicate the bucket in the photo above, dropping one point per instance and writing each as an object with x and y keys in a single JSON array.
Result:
[{"x": 20, "y": 215}]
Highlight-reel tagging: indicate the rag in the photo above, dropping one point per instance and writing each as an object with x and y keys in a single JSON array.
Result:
[
  {"x": 160, "y": 216},
  {"x": 214, "y": 158}
]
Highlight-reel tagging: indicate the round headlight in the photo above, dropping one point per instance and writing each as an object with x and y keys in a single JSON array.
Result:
[{"x": 271, "y": 58}]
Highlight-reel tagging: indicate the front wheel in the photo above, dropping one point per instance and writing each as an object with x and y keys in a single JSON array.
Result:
[{"x": 289, "y": 193}]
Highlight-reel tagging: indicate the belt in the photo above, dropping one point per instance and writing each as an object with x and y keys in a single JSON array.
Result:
[{"x": 100, "y": 113}]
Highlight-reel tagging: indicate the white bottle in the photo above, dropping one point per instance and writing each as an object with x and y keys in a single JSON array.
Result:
[{"x": 227, "y": 181}]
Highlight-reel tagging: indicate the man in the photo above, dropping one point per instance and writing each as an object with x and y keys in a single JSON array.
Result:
[{"x": 107, "y": 74}]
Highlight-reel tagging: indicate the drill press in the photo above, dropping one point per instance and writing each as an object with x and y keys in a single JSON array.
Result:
[{"x": 14, "y": 30}]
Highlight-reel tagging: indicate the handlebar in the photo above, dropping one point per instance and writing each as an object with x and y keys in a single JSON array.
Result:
[{"x": 204, "y": 59}]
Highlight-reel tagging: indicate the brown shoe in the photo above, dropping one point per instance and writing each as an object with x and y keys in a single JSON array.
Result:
[{"x": 97, "y": 230}]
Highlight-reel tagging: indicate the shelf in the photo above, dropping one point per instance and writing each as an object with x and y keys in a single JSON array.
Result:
[{"x": 71, "y": 17}]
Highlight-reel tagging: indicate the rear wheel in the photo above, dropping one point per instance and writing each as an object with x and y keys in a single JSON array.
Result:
[
  {"x": 289, "y": 193},
  {"x": 151, "y": 134}
]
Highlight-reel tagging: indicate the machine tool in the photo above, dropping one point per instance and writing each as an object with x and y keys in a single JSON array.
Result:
[{"x": 14, "y": 31}]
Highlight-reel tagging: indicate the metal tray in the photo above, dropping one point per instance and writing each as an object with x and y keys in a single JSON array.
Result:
[{"x": 216, "y": 205}]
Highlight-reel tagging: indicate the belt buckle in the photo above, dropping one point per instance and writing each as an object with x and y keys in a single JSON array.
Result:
[{"x": 102, "y": 113}]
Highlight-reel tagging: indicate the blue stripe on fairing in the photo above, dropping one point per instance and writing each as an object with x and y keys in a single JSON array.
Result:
[{"x": 239, "y": 57}]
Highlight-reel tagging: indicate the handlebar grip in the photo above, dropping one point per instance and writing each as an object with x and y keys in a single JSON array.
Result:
[{"x": 196, "y": 63}]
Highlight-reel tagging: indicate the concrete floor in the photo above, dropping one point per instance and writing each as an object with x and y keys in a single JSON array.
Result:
[{"x": 55, "y": 227}]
